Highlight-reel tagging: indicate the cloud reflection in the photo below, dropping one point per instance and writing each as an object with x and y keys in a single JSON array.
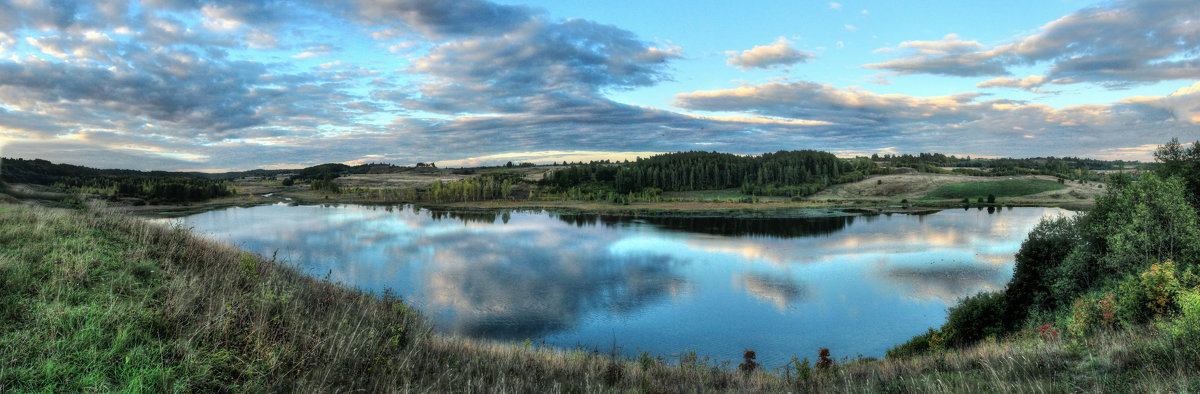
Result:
[
  {"x": 500, "y": 289},
  {"x": 778, "y": 290}
]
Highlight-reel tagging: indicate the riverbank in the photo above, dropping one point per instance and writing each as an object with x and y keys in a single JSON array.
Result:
[
  {"x": 811, "y": 208},
  {"x": 93, "y": 301},
  {"x": 882, "y": 194}
]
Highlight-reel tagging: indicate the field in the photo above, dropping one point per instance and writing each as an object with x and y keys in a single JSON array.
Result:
[{"x": 1000, "y": 188}]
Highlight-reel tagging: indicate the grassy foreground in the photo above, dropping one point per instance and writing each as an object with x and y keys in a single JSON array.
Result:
[{"x": 92, "y": 301}]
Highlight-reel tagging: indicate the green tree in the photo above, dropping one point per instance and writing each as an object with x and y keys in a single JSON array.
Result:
[{"x": 1176, "y": 161}]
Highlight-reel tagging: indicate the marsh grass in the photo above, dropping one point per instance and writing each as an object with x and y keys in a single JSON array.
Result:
[{"x": 100, "y": 302}]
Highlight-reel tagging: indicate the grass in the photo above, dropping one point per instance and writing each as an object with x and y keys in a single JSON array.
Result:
[
  {"x": 1000, "y": 189},
  {"x": 92, "y": 301}
]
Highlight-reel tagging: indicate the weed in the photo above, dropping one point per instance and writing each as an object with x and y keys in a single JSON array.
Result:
[{"x": 748, "y": 364}]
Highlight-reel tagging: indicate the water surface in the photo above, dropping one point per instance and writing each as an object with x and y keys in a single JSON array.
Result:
[{"x": 855, "y": 284}]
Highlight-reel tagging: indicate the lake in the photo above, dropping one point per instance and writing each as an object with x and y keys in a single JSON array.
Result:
[{"x": 855, "y": 284}]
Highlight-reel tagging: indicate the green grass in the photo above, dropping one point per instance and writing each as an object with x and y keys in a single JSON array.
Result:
[
  {"x": 1000, "y": 189},
  {"x": 99, "y": 302}
]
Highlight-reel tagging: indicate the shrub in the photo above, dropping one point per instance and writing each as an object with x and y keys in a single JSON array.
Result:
[
  {"x": 1048, "y": 332},
  {"x": 823, "y": 360},
  {"x": 1132, "y": 302},
  {"x": 748, "y": 364},
  {"x": 1160, "y": 286},
  {"x": 803, "y": 369},
  {"x": 991, "y": 199},
  {"x": 1089, "y": 314},
  {"x": 1186, "y": 326},
  {"x": 917, "y": 345},
  {"x": 1036, "y": 267},
  {"x": 974, "y": 318}
]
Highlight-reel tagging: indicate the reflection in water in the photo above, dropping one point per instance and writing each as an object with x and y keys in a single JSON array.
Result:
[
  {"x": 775, "y": 227},
  {"x": 947, "y": 284},
  {"x": 506, "y": 295},
  {"x": 782, "y": 287},
  {"x": 777, "y": 290}
]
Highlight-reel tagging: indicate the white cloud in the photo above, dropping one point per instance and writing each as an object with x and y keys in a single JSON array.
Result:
[{"x": 778, "y": 54}]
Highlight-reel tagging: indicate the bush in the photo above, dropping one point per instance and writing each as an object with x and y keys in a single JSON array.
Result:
[
  {"x": 917, "y": 345},
  {"x": 1160, "y": 287},
  {"x": 1047, "y": 245},
  {"x": 1186, "y": 326},
  {"x": 1084, "y": 318},
  {"x": 974, "y": 318},
  {"x": 1132, "y": 301}
]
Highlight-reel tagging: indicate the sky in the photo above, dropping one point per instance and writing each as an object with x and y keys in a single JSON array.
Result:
[{"x": 221, "y": 86}]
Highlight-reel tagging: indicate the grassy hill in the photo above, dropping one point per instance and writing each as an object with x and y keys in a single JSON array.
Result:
[{"x": 91, "y": 301}]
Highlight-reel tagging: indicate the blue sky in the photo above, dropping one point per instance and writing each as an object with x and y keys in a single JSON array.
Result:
[{"x": 212, "y": 86}]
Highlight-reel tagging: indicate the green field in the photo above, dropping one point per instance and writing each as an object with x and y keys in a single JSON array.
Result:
[{"x": 1002, "y": 188}]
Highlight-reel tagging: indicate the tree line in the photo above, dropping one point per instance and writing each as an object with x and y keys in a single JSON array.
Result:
[
  {"x": 1062, "y": 167},
  {"x": 783, "y": 173},
  {"x": 149, "y": 186}
]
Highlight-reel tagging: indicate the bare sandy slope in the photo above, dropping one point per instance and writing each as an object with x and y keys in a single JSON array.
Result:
[{"x": 888, "y": 188}]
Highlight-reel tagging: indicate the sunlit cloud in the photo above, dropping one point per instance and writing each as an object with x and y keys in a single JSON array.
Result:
[
  {"x": 778, "y": 54},
  {"x": 1117, "y": 44}
]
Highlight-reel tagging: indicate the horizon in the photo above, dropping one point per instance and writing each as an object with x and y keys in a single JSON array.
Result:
[
  {"x": 459, "y": 164},
  {"x": 214, "y": 87}
]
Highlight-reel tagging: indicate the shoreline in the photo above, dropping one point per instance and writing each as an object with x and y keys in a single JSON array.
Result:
[{"x": 637, "y": 209}]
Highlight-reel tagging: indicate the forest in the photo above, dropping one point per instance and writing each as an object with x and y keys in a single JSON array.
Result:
[
  {"x": 1065, "y": 167},
  {"x": 783, "y": 173},
  {"x": 151, "y": 187}
]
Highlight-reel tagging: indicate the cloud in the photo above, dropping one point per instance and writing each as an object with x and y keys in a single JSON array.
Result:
[
  {"x": 967, "y": 122},
  {"x": 175, "y": 87},
  {"x": 778, "y": 54},
  {"x": 540, "y": 68},
  {"x": 315, "y": 51},
  {"x": 949, "y": 56},
  {"x": 835, "y": 6},
  {"x": 1029, "y": 84},
  {"x": 1116, "y": 45},
  {"x": 442, "y": 18}
]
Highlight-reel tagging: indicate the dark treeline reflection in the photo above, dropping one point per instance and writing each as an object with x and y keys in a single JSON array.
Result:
[
  {"x": 714, "y": 225},
  {"x": 487, "y": 217},
  {"x": 771, "y": 227}
]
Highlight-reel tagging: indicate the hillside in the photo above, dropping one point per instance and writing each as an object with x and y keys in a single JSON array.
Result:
[
  {"x": 926, "y": 187},
  {"x": 98, "y": 302}
]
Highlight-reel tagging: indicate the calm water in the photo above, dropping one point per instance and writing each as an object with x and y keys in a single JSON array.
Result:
[{"x": 854, "y": 284}]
